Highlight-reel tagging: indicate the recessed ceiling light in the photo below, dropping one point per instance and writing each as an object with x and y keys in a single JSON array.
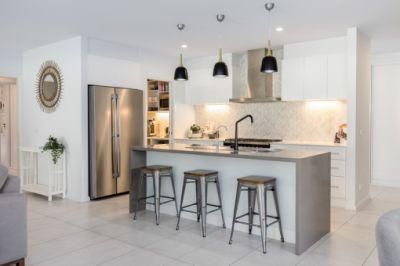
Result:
[
  {"x": 279, "y": 29},
  {"x": 184, "y": 46}
]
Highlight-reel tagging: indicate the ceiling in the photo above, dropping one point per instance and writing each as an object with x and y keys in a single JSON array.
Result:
[{"x": 151, "y": 24}]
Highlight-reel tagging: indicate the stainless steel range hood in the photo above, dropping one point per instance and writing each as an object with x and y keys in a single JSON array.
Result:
[{"x": 259, "y": 87}]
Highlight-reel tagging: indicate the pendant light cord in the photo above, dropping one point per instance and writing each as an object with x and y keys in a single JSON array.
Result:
[
  {"x": 269, "y": 7},
  {"x": 220, "y": 18},
  {"x": 180, "y": 27}
]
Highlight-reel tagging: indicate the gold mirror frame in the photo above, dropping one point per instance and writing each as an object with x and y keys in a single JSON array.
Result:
[{"x": 46, "y": 103}]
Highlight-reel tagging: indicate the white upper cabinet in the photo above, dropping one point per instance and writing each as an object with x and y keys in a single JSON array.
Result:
[
  {"x": 315, "y": 77},
  {"x": 337, "y": 76},
  {"x": 202, "y": 87},
  {"x": 292, "y": 79},
  {"x": 314, "y": 70}
]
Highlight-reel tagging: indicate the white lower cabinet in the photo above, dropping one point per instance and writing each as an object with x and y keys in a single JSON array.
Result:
[{"x": 338, "y": 168}]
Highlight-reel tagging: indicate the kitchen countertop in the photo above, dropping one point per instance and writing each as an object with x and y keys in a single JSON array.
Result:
[
  {"x": 283, "y": 142},
  {"x": 274, "y": 155},
  {"x": 312, "y": 143}
]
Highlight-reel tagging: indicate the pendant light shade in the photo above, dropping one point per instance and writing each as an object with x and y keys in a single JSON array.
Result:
[
  {"x": 220, "y": 68},
  {"x": 269, "y": 64},
  {"x": 181, "y": 73}
]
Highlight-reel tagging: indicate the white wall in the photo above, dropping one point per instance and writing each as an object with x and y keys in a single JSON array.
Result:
[
  {"x": 110, "y": 71},
  {"x": 358, "y": 118},
  {"x": 68, "y": 121},
  {"x": 363, "y": 162},
  {"x": 386, "y": 120},
  {"x": 10, "y": 65}
]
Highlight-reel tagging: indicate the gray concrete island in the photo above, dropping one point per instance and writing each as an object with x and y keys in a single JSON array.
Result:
[{"x": 303, "y": 182}]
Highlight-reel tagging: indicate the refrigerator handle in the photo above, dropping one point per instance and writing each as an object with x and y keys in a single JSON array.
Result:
[
  {"x": 118, "y": 136},
  {"x": 114, "y": 158}
]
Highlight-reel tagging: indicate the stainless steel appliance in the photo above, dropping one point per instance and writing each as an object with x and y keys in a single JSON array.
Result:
[
  {"x": 253, "y": 143},
  {"x": 259, "y": 86},
  {"x": 115, "y": 124}
]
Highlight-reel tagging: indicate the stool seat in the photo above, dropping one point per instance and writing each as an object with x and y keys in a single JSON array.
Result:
[
  {"x": 152, "y": 168},
  {"x": 256, "y": 180},
  {"x": 201, "y": 172}
]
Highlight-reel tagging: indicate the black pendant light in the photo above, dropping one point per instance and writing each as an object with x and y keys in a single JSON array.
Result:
[
  {"x": 181, "y": 73},
  {"x": 220, "y": 68},
  {"x": 269, "y": 64}
]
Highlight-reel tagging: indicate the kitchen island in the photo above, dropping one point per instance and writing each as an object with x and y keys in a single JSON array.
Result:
[{"x": 303, "y": 184}]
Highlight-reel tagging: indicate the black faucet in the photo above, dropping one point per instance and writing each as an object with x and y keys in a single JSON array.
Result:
[{"x": 236, "y": 147}]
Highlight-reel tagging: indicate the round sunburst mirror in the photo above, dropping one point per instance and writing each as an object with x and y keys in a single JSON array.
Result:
[{"x": 49, "y": 86}]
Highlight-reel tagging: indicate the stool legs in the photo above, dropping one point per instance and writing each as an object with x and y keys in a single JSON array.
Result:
[
  {"x": 251, "y": 194},
  {"x": 181, "y": 205},
  {"x": 203, "y": 198},
  {"x": 220, "y": 202},
  {"x": 278, "y": 213},
  {"x": 261, "y": 206},
  {"x": 198, "y": 201},
  {"x": 235, "y": 211},
  {"x": 174, "y": 191},
  {"x": 156, "y": 185}
]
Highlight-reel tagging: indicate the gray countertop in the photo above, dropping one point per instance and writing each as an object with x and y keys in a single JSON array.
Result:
[{"x": 273, "y": 155}]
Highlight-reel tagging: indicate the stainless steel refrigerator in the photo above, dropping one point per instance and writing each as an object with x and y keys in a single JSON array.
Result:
[{"x": 115, "y": 124}]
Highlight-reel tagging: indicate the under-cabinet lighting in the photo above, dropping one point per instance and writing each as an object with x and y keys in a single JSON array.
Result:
[
  {"x": 162, "y": 115},
  {"x": 184, "y": 46},
  {"x": 279, "y": 29},
  {"x": 217, "y": 108},
  {"x": 324, "y": 105}
]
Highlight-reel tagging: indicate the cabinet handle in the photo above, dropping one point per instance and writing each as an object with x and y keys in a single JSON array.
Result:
[
  {"x": 335, "y": 167},
  {"x": 334, "y": 186}
]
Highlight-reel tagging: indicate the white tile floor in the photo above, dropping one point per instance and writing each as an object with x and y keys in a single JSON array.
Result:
[{"x": 102, "y": 233}]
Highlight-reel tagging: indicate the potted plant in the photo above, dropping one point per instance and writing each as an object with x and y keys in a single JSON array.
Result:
[
  {"x": 195, "y": 131},
  {"x": 55, "y": 147}
]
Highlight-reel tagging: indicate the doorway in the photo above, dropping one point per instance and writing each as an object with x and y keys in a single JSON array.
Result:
[{"x": 8, "y": 124}]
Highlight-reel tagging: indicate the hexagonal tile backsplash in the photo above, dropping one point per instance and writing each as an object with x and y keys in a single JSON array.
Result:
[{"x": 290, "y": 121}]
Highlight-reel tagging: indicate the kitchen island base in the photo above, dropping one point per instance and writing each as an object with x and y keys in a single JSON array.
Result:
[{"x": 303, "y": 188}]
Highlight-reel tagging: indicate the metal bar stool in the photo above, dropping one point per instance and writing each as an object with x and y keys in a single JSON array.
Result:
[
  {"x": 157, "y": 172},
  {"x": 257, "y": 187},
  {"x": 201, "y": 178}
]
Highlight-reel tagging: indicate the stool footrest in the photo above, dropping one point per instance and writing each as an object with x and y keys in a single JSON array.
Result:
[
  {"x": 161, "y": 203},
  {"x": 255, "y": 213},
  {"x": 217, "y": 209}
]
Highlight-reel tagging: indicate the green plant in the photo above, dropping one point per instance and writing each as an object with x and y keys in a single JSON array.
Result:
[
  {"x": 55, "y": 148},
  {"x": 195, "y": 128}
]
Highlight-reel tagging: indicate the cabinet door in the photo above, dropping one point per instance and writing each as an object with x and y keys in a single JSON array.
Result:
[
  {"x": 337, "y": 76},
  {"x": 292, "y": 79},
  {"x": 194, "y": 87},
  {"x": 222, "y": 89},
  {"x": 315, "y": 77}
]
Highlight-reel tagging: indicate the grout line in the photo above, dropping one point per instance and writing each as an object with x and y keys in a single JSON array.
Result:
[{"x": 370, "y": 254}]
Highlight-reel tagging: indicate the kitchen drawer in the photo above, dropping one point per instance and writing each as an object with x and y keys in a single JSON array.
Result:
[
  {"x": 338, "y": 187},
  {"x": 338, "y": 154},
  {"x": 338, "y": 168}
]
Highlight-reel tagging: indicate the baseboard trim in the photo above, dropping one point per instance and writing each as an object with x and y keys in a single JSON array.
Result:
[
  {"x": 385, "y": 183},
  {"x": 363, "y": 202}
]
